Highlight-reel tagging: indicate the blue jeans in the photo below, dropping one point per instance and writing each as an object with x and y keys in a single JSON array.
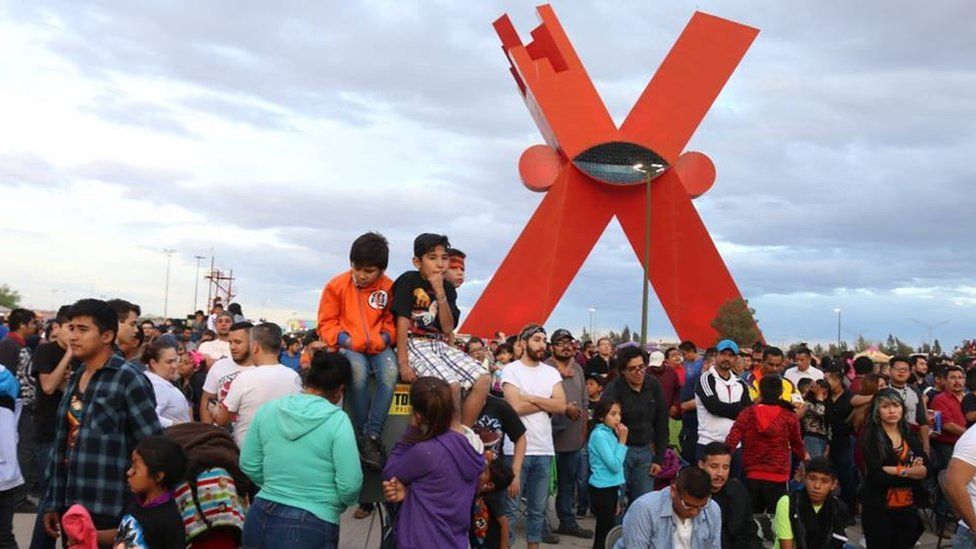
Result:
[
  {"x": 636, "y": 466},
  {"x": 842, "y": 460},
  {"x": 39, "y": 538},
  {"x": 582, "y": 483},
  {"x": 963, "y": 538},
  {"x": 369, "y": 414},
  {"x": 815, "y": 446},
  {"x": 274, "y": 525},
  {"x": 567, "y": 473},
  {"x": 534, "y": 490}
]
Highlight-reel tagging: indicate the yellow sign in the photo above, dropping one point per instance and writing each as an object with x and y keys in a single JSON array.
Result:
[{"x": 401, "y": 400}]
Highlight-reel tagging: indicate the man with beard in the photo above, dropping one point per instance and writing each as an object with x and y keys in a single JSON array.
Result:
[
  {"x": 739, "y": 530},
  {"x": 569, "y": 433},
  {"x": 223, "y": 372},
  {"x": 719, "y": 397},
  {"x": 644, "y": 410},
  {"x": 535, "y": 391}
]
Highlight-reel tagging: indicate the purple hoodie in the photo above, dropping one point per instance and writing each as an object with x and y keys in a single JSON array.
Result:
[{"x": 442, "y": 477}]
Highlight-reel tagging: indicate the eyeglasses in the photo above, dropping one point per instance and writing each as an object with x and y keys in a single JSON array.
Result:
[{"x": 689, "y": 507}]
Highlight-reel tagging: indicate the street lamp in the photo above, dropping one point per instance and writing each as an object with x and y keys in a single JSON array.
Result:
[
  {"x": 838, "y": 311},
  {"x": 650, "y": 172},
  {"x": 196, "y": 286},
  {"x": 169, "y": 256},
  {"x": 592, "y": 311}
]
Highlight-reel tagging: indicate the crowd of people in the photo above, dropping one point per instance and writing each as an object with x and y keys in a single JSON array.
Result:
[{"x": 216, "y": 431}]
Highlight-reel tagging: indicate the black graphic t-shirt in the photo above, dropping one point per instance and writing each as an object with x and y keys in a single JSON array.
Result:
[
  {"x": 414, "y": 298},
  {"x": 498, "y": 420}
]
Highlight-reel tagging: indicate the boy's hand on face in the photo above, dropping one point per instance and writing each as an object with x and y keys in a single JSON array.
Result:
[{"x": 437, "y": 283}]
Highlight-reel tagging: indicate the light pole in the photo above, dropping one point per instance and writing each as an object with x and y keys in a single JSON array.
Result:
[
  {"x": 650, "y": 172},
  {"x": 169, "y": 256},
  {"x": 838, "y": 311},
  {"x": 196, "y": 284},
  {"x": 929, "y": 327},
  {"x": 592, "y": 311}
]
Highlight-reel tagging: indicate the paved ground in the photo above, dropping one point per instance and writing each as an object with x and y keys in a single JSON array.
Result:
[{"x": 358, "y": 534}]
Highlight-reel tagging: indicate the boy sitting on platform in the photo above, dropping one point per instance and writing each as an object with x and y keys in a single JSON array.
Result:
[{"x": 426, "y": 313}]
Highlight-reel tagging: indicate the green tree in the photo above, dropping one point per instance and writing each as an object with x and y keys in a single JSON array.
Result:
[
  {"x": 585, "y": 335},
  {"x": 625, "y": 336},
  {"x": 902, "y": 348},
  {"x": 936, "y": 348},
  {"x": 9, "y": 297},
  {"x": 818, "y": 350},
  {"x": 890, "y": 347},
  {"x": 861, "y": 344},
  {"x": 735, "y": 320},
  {"x": 925, "y": 349},
  {"x": 834, "y": 350}
]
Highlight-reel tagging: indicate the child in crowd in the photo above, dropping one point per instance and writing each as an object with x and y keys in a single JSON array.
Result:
[
  {"x": 812, "y": 514},
  {"x": 504, "y": 354},
  {"x": 11, "y": 479},
  {"x": 354, "y": 316},
  {"x": 455, "y": 267},
  {"x": 607, "y": 449},
  {"x": 816, "y": 429},
  {"x": 426, "y": 313},
  {"x": 434, "y": 471},
  {"x": 594, "y": 390},
  {"x": 153, "y": 520},
  {"x": 489, "y": 524}
]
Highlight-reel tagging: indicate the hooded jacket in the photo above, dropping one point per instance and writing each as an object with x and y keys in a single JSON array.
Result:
[
  {"x": 768, "y": 432},
  {"x": 294, "y": 435},
  {"x": 441, "y": 476},
  {"x": 358, "y": 319}
]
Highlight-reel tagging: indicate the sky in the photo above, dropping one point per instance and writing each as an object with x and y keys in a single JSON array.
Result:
[{"x": 269, "y": 136}]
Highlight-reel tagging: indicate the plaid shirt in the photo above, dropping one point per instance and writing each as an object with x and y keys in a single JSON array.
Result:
[{"x": 120, "y": 410}]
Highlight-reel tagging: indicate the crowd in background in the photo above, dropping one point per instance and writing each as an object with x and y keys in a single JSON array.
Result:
[{"x": 215, "y": 431}]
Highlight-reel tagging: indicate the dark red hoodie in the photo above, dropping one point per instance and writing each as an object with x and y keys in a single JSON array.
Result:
[{"x": 767, "y": 432}]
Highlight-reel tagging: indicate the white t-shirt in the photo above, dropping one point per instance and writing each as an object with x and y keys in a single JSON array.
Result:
[
  {"x": 965, "y": 450},
  {"x": 682, "y": 532},
  {"x": 171, "y": 405},
  {"x": 215, "y": 349},
  {"x": 538, "y": 381},
  {"x": 795, "y": 375},
  {"x": 258, "y": 385},
  {"x": 220, "y": 375}
]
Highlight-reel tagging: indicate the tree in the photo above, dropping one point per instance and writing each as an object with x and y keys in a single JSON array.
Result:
[
  {"x": 818, "y": 350},
  {"x": 9, "y": 297},
  {"x": 925, "y": 349},
  {"x": 625, "y": 335},
  {"x": 736, "y": 321},
  {"x": 585, "y": 335},
  {"x": 861, "y": 344},
  {"x": 890, "y": 348},
  {"x": 936, "y": 348},
  {"x": 902, "y": 348}
]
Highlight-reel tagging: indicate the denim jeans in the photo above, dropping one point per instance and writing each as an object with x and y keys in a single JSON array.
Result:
[
  {"x": 369, "y": 414},
  {"x": 567, "y": 471},
  {"x": 847, "y": 476},
  {"x": 636, "y": 466},
  {"x": 583, "y": 483},
  {"x": 39, "y": 538},
  {"x": 815, "y": 446},
  {"x": 963, "y": 538},
  {"x": 534, "y": 490},
  {"x": 274, "y": 525}
]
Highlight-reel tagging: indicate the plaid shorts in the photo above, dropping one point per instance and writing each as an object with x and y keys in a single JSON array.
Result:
[{"x": 435, "y": 358}]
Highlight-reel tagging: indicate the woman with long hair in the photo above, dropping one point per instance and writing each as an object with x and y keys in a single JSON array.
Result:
[
  {"x": 896, "y": 467},
  {"x": 434, "y": 471}
]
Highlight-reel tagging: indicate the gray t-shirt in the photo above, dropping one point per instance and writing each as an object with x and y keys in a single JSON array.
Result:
[{"x": 567, "y": 435}]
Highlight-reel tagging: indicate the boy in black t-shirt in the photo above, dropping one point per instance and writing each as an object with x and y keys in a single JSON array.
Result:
[
  {"x": 489, "y": 524},
  {"x": 426, "y": 313}
]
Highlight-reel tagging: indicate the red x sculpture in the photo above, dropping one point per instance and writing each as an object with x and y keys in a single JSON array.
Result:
[{"x": 588, "y": 172}]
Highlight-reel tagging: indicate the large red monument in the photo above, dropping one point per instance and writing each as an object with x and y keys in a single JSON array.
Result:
[{"x": 591, "y": 171}]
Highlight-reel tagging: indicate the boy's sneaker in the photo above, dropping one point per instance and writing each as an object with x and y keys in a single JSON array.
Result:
[{"x": 372, "y": 453}]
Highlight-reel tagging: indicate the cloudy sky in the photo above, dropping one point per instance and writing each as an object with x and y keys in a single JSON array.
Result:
[{"x": 271, "y": 135}]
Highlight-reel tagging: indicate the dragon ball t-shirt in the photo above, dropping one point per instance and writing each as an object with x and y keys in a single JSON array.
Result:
[{"x": 414, "y": 298}]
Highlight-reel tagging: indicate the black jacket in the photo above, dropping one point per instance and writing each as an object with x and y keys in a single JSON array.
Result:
[
  {"x": 833, "y": 516},
  {"x": 739, "y": 530}
]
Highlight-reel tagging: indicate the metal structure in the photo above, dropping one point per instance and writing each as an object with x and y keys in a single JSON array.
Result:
[
  {"x": 591, "y": 171},
  {"x": 221, "y": 284}
]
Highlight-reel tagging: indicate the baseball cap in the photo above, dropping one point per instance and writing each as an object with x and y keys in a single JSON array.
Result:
[
  {"x": 560, "y": 334},
  {"x": 656, "y": 359},
  {"x": 727, "y": 344}
]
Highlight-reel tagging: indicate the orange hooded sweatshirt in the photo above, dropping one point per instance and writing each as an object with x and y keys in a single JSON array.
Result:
[{"x": 358, "y": 319}]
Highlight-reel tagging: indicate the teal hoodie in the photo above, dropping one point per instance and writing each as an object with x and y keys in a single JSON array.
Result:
[{"x": 301, "y": 450}]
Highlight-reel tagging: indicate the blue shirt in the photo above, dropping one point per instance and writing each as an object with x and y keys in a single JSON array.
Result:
[
  {"x": 649, "y": 524},
  {"x": 293, "y": 362},
  {"x": 606, "y": 458}
]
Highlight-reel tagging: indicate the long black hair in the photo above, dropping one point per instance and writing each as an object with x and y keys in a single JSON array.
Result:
[{"x": 875, "y": 440}]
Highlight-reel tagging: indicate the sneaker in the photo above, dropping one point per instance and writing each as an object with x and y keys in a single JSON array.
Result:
[
  {"x": 550, "y": 539},
  {"x": 27, "y": 505},
  {"x": 576, "y": 531},
  {"x": 364, "y": 510},
  {"x": 373, "y": 454}
]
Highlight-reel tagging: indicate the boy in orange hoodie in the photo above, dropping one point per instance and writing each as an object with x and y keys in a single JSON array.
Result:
[{"x": 354, "y": 315}]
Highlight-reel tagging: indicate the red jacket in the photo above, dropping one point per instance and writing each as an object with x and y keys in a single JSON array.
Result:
[
  {"x": 361, "y": 313},
  {"x": 767, "y": 433}
]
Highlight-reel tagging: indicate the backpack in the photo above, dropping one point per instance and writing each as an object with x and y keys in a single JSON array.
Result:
[{"x": 214, "y": 493}]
